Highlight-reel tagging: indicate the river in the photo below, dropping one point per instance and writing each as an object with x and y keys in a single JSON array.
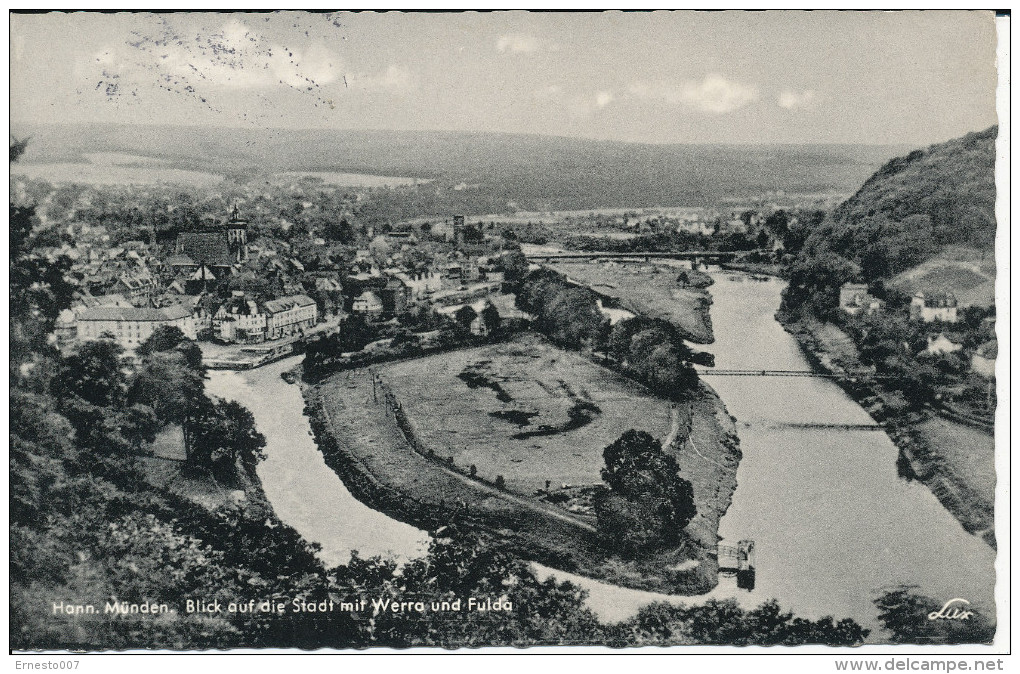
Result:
[
  {"x": 831, "y": 520},
  {"x": 306, "y": 494}
]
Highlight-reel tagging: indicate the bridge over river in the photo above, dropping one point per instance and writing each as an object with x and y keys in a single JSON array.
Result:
[
  {"x": 712, "y": 372},
  {"x": 714, "y": 256}
]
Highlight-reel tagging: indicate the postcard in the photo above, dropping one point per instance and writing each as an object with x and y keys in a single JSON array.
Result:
[{"x": 457, "y": 330}]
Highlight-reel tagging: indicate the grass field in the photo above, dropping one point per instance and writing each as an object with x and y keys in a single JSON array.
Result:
[
  {"x": 650, "y": 290},
  {"x": 524, "y": 409},
  {"x": 361, "y": 440},
  {"x": 964, "y": 272}
]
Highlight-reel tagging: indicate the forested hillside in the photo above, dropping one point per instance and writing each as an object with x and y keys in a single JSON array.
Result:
[{"x": 911, "y": 210}]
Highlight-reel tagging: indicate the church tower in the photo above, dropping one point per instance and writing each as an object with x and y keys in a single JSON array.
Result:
[{"x": 237, "y": 236}]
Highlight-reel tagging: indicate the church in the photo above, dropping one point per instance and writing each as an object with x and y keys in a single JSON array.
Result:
[{"x": 211, "y": 250}]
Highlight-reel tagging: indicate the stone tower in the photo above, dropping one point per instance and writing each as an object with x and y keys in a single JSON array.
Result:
[{"x": 237, "y": 236}]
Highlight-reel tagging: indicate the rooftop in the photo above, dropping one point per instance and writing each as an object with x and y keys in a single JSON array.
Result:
[
  {"x": 207, "y": 247},
  {"x": 287, "y": 303},
  {"x": 141, "y": 314}
]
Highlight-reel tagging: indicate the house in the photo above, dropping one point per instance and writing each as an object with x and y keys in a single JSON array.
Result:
[
  {"x": 90, "y": 301},
  {"x": 983, "y": 361},
  {"x": 239, "y": 320},
  {"x": 367, "y": 303},
  {"x": 328, "y": 284},
  {"x": 137, "y": 287},
  {"x": 696, "y": 227},
  {"x": 421, "y": 282},
  {"x": 855, "y": 299},
  {"x": 933, "y": 306},
  {"x": 462, "y": 272},
  {"x": 942, "y": 344},
  {"x": 198, "y": 306},
  {"x": 130, "y": 326},
  {"x": 735, "y": 226},
  {"x": 290, "y": 315}
]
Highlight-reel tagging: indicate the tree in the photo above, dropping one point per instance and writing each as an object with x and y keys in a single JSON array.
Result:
[
  {"x": 171, "y": 338},
  {"x": 724, "y": 622},
  {"x": 93, "y": 374},
  {"x": 465, "y": 316},
  {"x": 490, "y": 317},
  {"x": 341, "y": 231},
  {"x": 515, "y": 268},
  {"x": 175, "y": 391},
  {"x": 648, "y": 504},
  {"x": 225, "y": 435}
]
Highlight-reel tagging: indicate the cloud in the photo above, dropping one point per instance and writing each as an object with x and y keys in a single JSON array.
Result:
[
  {"x": 715, "y": 94},
  {"x": 791, "y": 99},
  {"x": 549, "y": 91},
  {"x": 519, "y": 43},
  {"x": 393, "y": 78},
  {"x": 604, "y": 98}
]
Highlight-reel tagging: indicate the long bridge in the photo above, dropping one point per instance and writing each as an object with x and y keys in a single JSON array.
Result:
[
  {"x": 713, "y": 372},
  {"x": 699, "y": 255}
]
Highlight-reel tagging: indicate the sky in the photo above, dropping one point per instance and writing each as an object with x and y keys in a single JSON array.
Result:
[{"x": 662, "y": 77}]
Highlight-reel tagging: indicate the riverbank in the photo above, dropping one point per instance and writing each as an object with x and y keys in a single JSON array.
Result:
[
  {"x": 358, "y": 434},
  {"x": 955, "y": 461},
  {"x": 758, "y": 268},
  {"x": 246, "y": 496},
  {"x": 650, "y": 290}
]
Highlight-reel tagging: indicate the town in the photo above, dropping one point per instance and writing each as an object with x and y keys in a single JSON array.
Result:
[{"x": 252, "y": 282}]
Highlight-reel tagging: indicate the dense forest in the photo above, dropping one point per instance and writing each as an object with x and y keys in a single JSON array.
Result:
[{"x": 909, "y": 211}]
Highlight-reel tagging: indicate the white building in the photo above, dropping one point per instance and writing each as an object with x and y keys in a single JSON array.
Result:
[
  {"x": 941, "y": 344},
  {"x": 289, "y": 315},
  {"x": 130, "y": 326},
  {"x": 933, "y": 306},
  {"x": 983, "y": 360},
  {"x": 367, "y": 303},
  {"x": 854, "y": 299},
  {"x": 421, "y": 283},
  {"x": 239, "y": 320}
]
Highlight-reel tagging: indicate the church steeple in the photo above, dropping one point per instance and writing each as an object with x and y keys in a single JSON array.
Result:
[{"x": 237, "y": 235}]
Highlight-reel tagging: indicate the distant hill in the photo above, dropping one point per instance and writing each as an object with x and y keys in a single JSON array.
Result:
[
  {"x": 535, "y": 172},
  {"x": 922, "y": 221}
]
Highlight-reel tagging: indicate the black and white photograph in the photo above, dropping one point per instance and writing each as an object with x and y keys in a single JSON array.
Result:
[{"x": 532, "y": 331}]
